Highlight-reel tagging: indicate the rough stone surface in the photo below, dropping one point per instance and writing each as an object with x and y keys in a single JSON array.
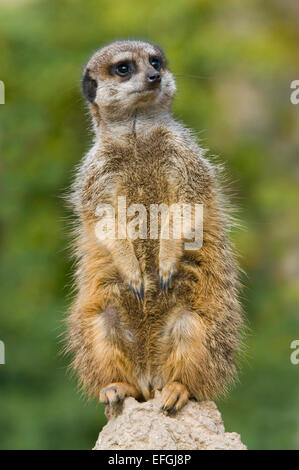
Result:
[{"x": 137, "y": 425}]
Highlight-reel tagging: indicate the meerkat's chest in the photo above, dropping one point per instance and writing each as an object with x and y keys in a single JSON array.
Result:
[{"x": 145, "y": 181}]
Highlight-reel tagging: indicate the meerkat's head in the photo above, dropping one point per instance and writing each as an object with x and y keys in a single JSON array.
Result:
[{"x": 126, "y": 76}]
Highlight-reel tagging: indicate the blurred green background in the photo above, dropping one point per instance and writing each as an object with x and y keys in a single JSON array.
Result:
[{"x": 234, "y": 62}]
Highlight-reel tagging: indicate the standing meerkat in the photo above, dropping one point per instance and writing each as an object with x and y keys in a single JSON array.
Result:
[{"x": 149, "y": 314}]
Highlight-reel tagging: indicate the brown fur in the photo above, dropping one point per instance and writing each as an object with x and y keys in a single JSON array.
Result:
[{"x": 182, "y": 340}]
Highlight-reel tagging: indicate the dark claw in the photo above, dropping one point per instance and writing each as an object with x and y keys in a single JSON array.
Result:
[
  {"x": 139, "y": 293},
  {"x": 132, "y": 289},
  {"x": 164, "y": 285},
  {"x": 172, "y": 410}
]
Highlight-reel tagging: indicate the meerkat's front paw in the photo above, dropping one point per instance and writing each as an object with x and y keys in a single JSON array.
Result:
[
  {"x": 135, "y": 283},
  {"x": 174, "y": 396},
  {"x": 132, "y": 276},
  {"x": 116, "y": 392},
  {"x": 169, "y": 256},
  {"x": 166, "y": 271}
]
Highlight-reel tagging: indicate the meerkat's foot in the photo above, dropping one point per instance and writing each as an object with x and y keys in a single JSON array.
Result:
[
  {"x": 117, "y": 392},
  {"x": 174, "y": 396}
]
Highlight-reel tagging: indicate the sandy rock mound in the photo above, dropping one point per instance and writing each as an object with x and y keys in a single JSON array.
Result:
[{"x": 144, "y": 426}]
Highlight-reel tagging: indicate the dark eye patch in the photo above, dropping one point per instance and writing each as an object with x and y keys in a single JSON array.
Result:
[{"x": 123, "y": 69}]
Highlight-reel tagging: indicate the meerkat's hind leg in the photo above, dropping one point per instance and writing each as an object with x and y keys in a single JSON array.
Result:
[
  {"x": 174, "y": 396},
  {"x": 117, "y": 392}
]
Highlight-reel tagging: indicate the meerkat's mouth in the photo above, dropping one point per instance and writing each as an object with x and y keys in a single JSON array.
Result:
[{"x": 144, "y": 91}]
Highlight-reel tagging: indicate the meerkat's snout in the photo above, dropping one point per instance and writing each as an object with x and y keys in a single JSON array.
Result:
[
  {"x": 153, "y": 80},
  {"x": 153, "y": 75},
  {"x": 149, "y": 77}
]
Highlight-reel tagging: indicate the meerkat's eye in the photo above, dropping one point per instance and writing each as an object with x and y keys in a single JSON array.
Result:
[
  {"x": 156, "y": 63},
  {"x": 123, "y": 69}
]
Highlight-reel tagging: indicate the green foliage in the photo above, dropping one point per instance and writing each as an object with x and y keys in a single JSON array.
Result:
[{"x": 233, "y": 62}]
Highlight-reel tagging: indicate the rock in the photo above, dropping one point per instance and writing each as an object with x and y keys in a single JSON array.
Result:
[{"x": 198, "y": 426}]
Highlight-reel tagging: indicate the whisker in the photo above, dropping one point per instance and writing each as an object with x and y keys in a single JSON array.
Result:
[{"x": 198, "y": 77}]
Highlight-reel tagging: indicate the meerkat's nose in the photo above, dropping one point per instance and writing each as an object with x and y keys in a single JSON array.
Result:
[{"x": 153, "y": 77}]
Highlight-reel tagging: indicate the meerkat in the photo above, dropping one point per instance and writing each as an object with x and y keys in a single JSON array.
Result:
[{"x": 148, "y": 314}]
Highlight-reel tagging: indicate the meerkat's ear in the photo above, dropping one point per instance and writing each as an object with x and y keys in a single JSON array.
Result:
[{"x": 89, "y": 86}]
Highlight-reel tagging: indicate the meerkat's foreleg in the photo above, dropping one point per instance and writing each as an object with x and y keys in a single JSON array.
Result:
[
  {"x": 171, "y": 249},
  {"x": 169, "y": 255},
  {"x": 182, "y": 223},
  {"x": 125, "y": 260}
]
